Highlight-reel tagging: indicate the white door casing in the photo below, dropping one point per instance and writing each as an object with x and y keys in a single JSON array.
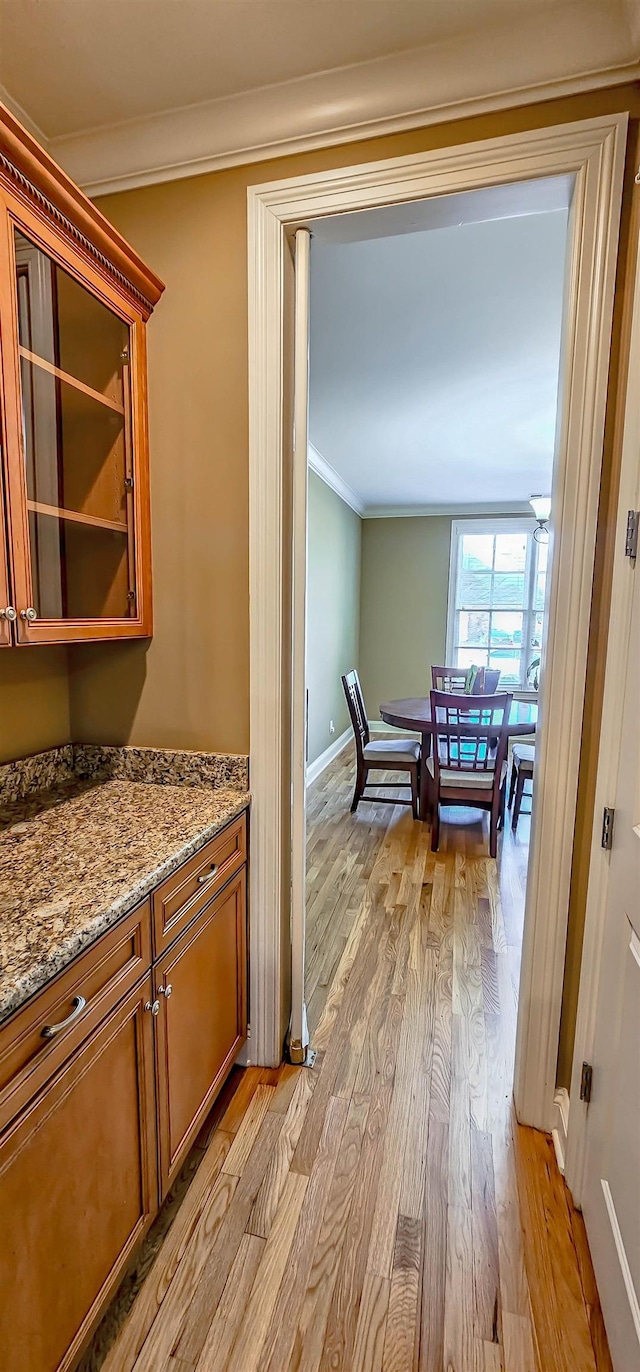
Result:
[
  {"x": 593, "y": 151},
  {"x": 298, "y": 1031}
]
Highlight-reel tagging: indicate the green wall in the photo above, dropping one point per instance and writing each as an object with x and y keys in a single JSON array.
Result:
[
  {"x": 333, "y": 610},
  {"x": 403, "y": 612}
]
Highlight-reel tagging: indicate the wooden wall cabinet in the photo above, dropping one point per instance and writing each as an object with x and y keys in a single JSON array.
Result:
[
  {"x": 74, "y": 302},
  {"x": 96, "y": 1120}
]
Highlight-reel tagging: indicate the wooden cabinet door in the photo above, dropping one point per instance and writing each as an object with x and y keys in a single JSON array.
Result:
[
  {"x": 73, "y": 374},
  {"x": 201, "y": 984},
  {"x": 78, "y": 1186}
]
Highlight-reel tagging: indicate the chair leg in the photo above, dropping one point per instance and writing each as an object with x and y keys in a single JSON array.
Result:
[
  {"x": 435, "y": 823},
  {"x": 493, "y": 831},
  {"x": 503, "y": 804},
  {"x": 518, "y": 800},
  {"x": 361, "y": 781},
  {"x": 415, "y": 791},
  {"x": 512, "y": 782}
]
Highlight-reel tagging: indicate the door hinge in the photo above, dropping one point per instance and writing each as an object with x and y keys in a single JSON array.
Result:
[
  {"x": 586, "y": 1082},
  {"x": 631, "y": 541},
  {"x": 608, "y": 817}
]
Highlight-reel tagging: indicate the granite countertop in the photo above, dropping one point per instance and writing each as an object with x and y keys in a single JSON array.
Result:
[{"x": 77, "y": 855}]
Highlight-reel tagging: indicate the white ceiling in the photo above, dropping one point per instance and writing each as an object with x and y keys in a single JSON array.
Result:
[
  {"x": 131, "y": 91},
  {"x": 129, "y": 58},
  {"x": 435, "y": 354}
]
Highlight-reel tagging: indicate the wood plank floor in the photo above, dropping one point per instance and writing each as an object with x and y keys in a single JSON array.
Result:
[{"x": 363, "y": 1216}]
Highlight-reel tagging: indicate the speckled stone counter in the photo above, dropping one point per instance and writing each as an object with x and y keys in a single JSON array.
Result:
[{"x": 77, "y": 855}]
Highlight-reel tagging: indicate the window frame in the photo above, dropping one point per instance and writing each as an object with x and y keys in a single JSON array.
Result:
[{"x": 488, "y": 525}]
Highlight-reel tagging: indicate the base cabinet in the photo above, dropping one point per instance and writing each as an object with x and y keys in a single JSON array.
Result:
[
  {"x": 201, "y": 1024},
  {"x": 100, "y": 1101},
  {"x": 78, "y": 1187}
]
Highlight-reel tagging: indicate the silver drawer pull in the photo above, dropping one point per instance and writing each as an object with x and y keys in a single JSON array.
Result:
[
  {"x": 208, "y": 876},
  {"x": 9, "y": 613},
  {"x": 165, "y": 991},
  {"x": 154, "y": 1006},
  {"x": 50, "y": 1030},
  {"x": 29, "y": 614}
]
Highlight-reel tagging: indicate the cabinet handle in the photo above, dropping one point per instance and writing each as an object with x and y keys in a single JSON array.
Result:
[
  {"x": 50, "y": 1030},
  {"x": 9, "y": 613},
  {"x": 29, "y": 614},
  {"x": 208, "y": 876},
  {"x": 165, "y": 991},
  {"x": 154, "y": 1006}
]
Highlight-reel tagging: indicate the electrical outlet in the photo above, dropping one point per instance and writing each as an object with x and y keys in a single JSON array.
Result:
[{"x": 332, "y": 727}]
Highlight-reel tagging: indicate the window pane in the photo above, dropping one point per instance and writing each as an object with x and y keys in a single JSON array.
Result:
[
  {"x": 473, "y": 627},
  {"x": 543, "y": 556},
  {"x": 511, "y": 552},
  {"x": 507, "y": 662},
  {"x": 508, "y": 590},
  {"x": 541, "y": 583},
  {"x": 506, "y": 629},
  {"x": 474, "y": 590},
  {"x": 477, "y": 552},
  {"x": 470, "y": 657}
]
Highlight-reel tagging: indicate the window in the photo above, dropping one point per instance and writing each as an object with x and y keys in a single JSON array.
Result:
[{"x": 496, "y": 597}]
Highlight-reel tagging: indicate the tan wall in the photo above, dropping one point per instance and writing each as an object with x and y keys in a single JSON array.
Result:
[
  {"x": 333, "y": 611},
  {"x": 403, "y": 608},
  {"x": 34, "y": 701}
]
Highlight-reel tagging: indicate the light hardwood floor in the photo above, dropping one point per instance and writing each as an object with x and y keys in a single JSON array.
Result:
[{"x": 363, "y": 1216}]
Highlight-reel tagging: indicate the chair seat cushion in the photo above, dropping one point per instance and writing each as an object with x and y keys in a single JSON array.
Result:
[
  {"x": 385, "y": 751},
  {"x": 524, "y": 756},
  {"x": 476, "y": 781}
]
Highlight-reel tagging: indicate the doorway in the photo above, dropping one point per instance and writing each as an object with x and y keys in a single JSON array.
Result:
[
  {"x": 434, "y": 355},
  {"x": 593, "y": 153}
]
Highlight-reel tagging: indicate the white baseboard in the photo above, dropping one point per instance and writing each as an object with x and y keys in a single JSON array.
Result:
[
  {"x": 561, "y": 1128},
  {"x": 315, "y": 769}
]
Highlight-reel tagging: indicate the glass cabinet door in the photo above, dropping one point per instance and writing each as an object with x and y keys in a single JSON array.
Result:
[{"x": 74, "y": 354}]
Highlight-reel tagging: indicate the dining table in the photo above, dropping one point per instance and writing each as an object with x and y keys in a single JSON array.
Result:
[{"x": 414, "y": 713}]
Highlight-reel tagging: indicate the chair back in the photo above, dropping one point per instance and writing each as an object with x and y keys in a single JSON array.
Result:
[
  {"x": 357, "y": 710},
  {"x": 469, "y": 738},
  {"x": 454, "y": 679}
]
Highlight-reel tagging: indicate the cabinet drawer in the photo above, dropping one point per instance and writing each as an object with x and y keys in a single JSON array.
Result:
[
  {"x": 101, "y": 976},
  {"x": 202, "y": 1023},
  {"x": 189, "y": 889}
]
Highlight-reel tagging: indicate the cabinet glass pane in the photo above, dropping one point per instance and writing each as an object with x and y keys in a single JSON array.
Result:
[
  {"x": 65, "y": 325},
  {"x": 78, "y": 571},
  {"x": 75, "y": 380}
]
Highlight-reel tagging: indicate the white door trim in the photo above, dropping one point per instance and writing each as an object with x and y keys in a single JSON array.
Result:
[
  {"x": 608, "y": 759},
  {"x": 594, "y": 151}
]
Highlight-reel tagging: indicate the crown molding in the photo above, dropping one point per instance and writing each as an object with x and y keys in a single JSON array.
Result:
[
  {"x": 332, "y": 478},
  {"x": 472, "y": 75},
  {"x": 23, "y": 118},
  {"x": 461, "y": 511}
]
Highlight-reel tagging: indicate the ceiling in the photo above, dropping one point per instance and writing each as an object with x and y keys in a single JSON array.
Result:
[
  {"x": 126, "y": 58},
  {"x": 130, "y": 91},
  {"x": 434, "y": 355}
]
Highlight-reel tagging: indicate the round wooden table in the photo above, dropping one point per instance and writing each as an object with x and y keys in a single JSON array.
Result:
[{"x": 415, "y": 713}]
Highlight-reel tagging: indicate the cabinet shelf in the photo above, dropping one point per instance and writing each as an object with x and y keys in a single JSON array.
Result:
[
  {"x": 77, "y": 518},
  {"x": 71, "y": 380}
]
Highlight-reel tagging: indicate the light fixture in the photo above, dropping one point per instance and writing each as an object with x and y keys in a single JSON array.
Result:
[{"x": 541, "y": 506}]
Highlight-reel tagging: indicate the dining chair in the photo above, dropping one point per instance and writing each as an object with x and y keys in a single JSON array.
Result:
[
  {"x": 468, "y": 763},
  {"x": 386, "y": 754},
  {"x": 522, "y": 762},
  {"x": 455, "y": 679}
]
